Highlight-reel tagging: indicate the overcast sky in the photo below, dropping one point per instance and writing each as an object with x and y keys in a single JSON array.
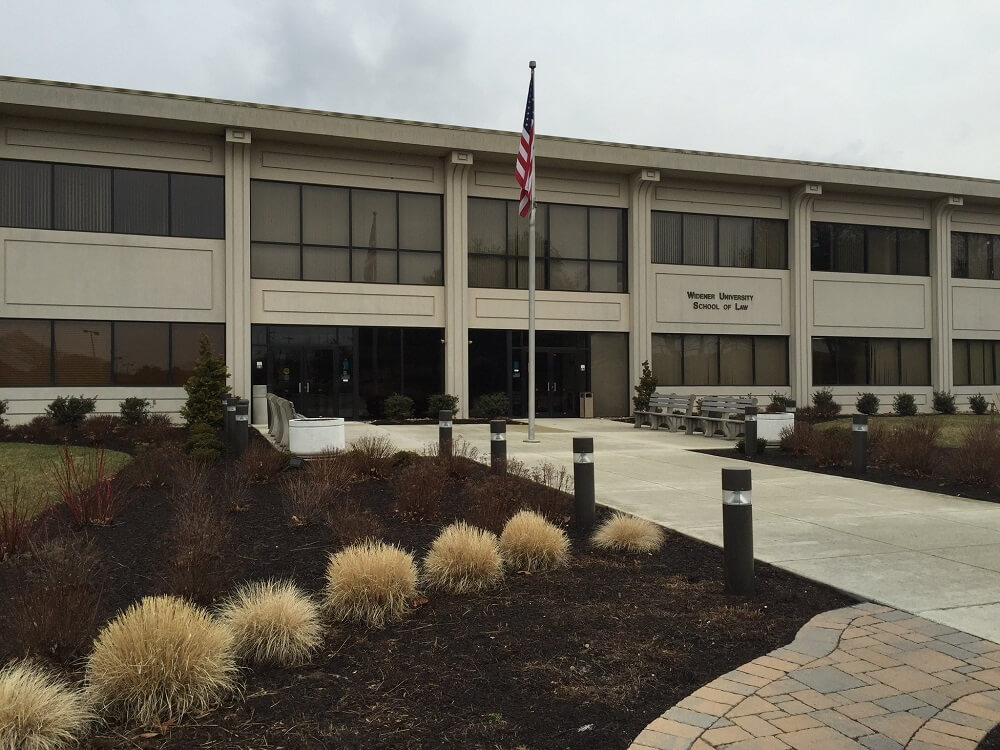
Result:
[{"x": 906, "y": 84}]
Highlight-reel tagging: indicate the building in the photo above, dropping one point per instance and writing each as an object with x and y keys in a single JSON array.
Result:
[{"x": 340, "y": 258}]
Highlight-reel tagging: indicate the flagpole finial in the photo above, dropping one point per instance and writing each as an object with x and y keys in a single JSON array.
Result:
[{"x": 531, "y": 64}]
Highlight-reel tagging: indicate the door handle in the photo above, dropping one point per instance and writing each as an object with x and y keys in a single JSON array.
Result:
[
  {"x": 300, "y": 386},
  {"x": 307, "y": 386}
]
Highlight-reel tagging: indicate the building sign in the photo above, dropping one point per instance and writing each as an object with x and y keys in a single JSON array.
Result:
[
  {"x": 702, "y": 299},
  {"x": 720, "y": 301}
]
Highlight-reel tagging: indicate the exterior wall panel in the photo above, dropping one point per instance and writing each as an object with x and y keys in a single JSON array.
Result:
[{"x": 871, "y": 306}]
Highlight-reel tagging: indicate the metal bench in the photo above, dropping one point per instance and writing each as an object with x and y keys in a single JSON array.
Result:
[
  {"x": 280, "y": 411},
  {"x": 718, "y": 416},
  {"x": 669, "y": 410}
]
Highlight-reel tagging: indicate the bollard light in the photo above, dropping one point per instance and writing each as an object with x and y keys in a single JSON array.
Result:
[
  {"x": 737, "y": 531},
  {"x": 750, "y": 431},
  {"x": 859, "y": 443},
  {"x": 584, "y": 503},
  {"x": 228, "y": 421},
  {"x": 444, "y": 432},
  {"x": 789, "y": 405},
  {"x": 241, "y": 427},
  {"x": 498, "y": 446}
]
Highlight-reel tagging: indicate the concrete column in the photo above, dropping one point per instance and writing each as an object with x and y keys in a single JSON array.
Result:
[
  {"x": 641, "y": 295},
  {"x": 799, "y": 260},
  {"x": 238, "y": 259},
  {"x": 458, "y": 169},
  {"x": 942, "y": 373}
]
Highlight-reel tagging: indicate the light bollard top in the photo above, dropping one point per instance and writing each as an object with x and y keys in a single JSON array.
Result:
[
  {"x": 859, "y": 423},
  {"x": 498, "y": 430},
  {"x": 750, "y": 414},
  {"x": 583, "y": 450},
  {"x": 444, "y": 418},
  {"x": 736, "y": 487}
]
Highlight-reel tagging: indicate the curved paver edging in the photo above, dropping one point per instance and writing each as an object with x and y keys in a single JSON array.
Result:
[{"x": 865, "y": 677}]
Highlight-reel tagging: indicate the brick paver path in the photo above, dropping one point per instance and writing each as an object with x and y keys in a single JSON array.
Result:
[{"x": 864, "y": 677}]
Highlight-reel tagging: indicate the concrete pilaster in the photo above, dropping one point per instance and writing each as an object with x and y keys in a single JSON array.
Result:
[
  {"x": 942, "y": 373},
  {"x": 639, "y": 258},
  {"x": 238, "y": 260},
  {"x": 458, "y": 169},
  {"x": 799, "y": 261}
]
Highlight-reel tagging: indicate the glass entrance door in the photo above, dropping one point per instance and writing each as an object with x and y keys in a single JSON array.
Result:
[
  {"x": 316, "y": 377},
  {"x": 558, "y": 382}
]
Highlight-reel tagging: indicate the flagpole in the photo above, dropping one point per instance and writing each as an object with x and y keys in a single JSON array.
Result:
[{"x": 531, "y": 292}]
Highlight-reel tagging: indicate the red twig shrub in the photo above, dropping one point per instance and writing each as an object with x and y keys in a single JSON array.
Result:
[
  {"x": 199, "y": 534},
  {"x": 371, "y": 456},
  {"x": 14, "y": 519},
  {"x": 419, "y": 488},
  {"x": 464, "y": 461},
  {"x": 493, "y": 500},
  {"x": 912, "y": 449},
  {"x": 55, "y": 595},
  {"x": 978, "y": 458},
  {"x": 101, "y": 428},
  {"x": 87, "y": 488},
  {"x": 261, "y": 462},
  {"x": 798, "y": 438},
  {"x": 831, "y": 447},
  {"x": 153, "y": 466},
  {"x": 349, "y": 522}
]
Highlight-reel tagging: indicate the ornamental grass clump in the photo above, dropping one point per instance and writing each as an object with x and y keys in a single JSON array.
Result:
[
  {"x": 39, "y": 711},
  {"x": 370, "y": 582},
  {"x": 531, "y": 543},
  {"x": 272, "y": 622},
  {"x": 627, "y": 533},
  {"x": 462, "y": 559},
  {"x": 160, "y": 659}
]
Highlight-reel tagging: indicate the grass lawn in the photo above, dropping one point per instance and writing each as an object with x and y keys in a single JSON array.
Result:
[
  {"x": 33, "y": 467},
  {"x": 952, "y": 425}
]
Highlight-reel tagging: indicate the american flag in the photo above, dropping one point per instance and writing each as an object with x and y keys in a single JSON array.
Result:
[{"x": 524, "y": 167}]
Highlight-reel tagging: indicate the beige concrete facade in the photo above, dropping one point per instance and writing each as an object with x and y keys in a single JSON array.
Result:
[{"x": 79, "y": 275}]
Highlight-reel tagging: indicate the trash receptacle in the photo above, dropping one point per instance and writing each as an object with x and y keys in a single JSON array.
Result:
[{"x": 586, "y": 405}]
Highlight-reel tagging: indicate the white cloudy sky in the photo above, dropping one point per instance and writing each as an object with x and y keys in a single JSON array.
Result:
[{"x": 908, "y": 84}]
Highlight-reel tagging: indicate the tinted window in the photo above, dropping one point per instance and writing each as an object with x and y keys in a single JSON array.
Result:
[
  {"x": 197, "y": 206},
  {"x": 141, "y": 202},
  {"x": 25, "y": 194},
  {"x": 81, "y": 198},
  {"x": 25, "y": 352}
]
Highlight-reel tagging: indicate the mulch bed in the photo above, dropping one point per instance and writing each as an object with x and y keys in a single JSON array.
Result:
[
  {"x": 583, "y": 657},
  {"x": 941, "y": 482}
]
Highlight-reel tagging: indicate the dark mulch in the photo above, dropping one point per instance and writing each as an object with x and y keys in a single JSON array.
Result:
[
  {"x": 991, "y": 741},
  {"x": 940, "y": 482},
  {"x": 580, "y": 658}
]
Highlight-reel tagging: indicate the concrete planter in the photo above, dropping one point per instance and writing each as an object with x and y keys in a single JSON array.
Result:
[
  {"x": 310, "y": 437},
  {"x": 769, "y": 426}
]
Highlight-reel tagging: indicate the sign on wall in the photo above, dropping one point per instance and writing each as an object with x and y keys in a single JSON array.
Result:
[{"x": 690, "y": 298}]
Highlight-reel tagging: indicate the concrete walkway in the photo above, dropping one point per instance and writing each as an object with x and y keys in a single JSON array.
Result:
[
  {"x": 933, "y": 555},
  {"x": 862, "y": 678}
]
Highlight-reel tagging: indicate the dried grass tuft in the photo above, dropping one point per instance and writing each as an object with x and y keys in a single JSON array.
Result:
[
  {"x": 530, "y": 543},
  {"x": 628, "y": 534},
  {"x": 160, "y": 659},
  {"x": 370, "y": 582},
  {"x": 273, "y": 622},
  {"x": 39, "y": 711},
  {"x": 462, "y": 559}
]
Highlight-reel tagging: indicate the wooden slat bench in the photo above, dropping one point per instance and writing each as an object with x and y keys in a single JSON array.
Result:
[
  {"x": 669, "y": 410},
  {"x": 716, "y": 416}
]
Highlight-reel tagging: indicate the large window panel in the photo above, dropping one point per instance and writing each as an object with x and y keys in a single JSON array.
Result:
[
  {"x": 959, "y": 256},
  {"x": 25, "y": 194},
  {"x": 82, "y": 352},
  {"x": 960, "y": 362},
  {"x": 607, "y": 277},
  {"x": 914, "y": 252},
  {"x": 268, "y": 261},
  {"x": 849, "y": 248},
  {"x": 141, "y": 202},
  {"x": 883, "y": 362},
  {"x": 325, "y": 215},
  {"x": 81, "y": 198},
  {"x": 420, "y": 222},
  {"x": 870, "y": 361},
  {"x": 736, "y": 360},
  {"x": 914, "y": 362},
  {"x": 324, "y": 264},
  {"x": 699, "y": 240},
  {"x": 667, "y": 231},
  {"x": 568, "y": 232},
  {"x": 197, "y": 206},
  {"x": 667, "y": 364},
  {"x": 856, "y": 248},
  {"x": 607, "y": 238},
  {"x": 185, "y": 342},
  {"x": 490, "y": 271},
  {"x": 735, "y": 242},
  {"x": 142, "y": 353},
  {"x": 852, "y": 361},
  {"x": 373, "y": 217},
  {"x": 568, "y": 275},
  {"x": 274, "y": 212},
  {"x": 701, "y": 359},
  {"x": 374, "y": 266},
  {"x": 770, "y": 360},
  {"x": 979, "y": 256},
  {"x": 824, "y": 361},
  {"x": 822, "y": 246},
  {"x": 25, "y": 353},
  {"x": 770, "y": 241},
  {"x": 881, "y": 250},
  {"x": 487, "y": 227},
  {"x": 420, "y": 268}
]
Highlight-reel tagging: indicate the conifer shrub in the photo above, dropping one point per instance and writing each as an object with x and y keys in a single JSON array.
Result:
[
  {"x": 824, "y": 407},
  {"x": 463, "y": 559},
  {"x": 867, "y": 403},
  {"x": 529, "y": 542},
  {"x": 943, "y": 402},
  {"x": 904, "y": 405},
  {"x": 134, "y": 410},
  {"x": 4, "y": 404},
  {"x": 645, "y": 389},
  {"x": 397, "y": 407},
  {"x": 370, "y": 582},
  {"x": 39, "y": 711},
  {"x": 628, "y": 534},
  {"x": 161, "y": 659},
  {"x": 978, "y": 404},
  {"x": 272, "y": 622},
  {"x": 206, "y": 388},
  {"x": 439, "y": 402},
  {"x": 70, "y": 411},
  {"x": 491, "y": 406},
  {"x": 204, "y": 444}
]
